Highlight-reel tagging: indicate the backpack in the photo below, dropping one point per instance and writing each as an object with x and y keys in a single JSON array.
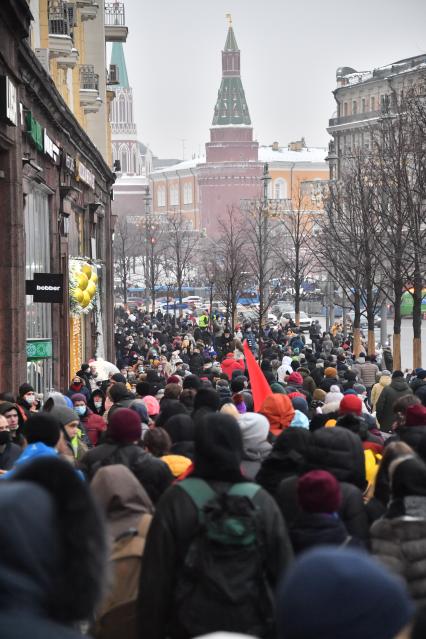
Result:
[
  {"x": 222, "y": 585},
  {"x": 119, "y": 613}
]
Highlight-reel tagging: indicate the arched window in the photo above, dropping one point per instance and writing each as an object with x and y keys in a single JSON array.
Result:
[
  {"x": 125, "y": 159},
  {"x": 280, "y": 189},
  {"x": 161, "y": 196},
  {"x": 121, "y": 109},
  {"x": 135, "y": 162}
]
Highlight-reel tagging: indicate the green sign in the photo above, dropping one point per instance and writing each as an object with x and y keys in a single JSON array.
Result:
[
  {"x": 39, "y": 349},
  {"x": 35, "y": 131}
]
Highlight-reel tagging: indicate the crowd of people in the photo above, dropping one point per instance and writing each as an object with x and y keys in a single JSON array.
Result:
[{"x": 253, "y": 481}]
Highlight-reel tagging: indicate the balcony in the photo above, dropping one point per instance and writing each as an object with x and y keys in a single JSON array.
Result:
[
  {"x": 60, "y": 30},
  {"x": 115, "y": 22},
  {"x": 89, "y": 89},
  {"x": 355, "y": 117},
  {"x": 88, "y": 9}
]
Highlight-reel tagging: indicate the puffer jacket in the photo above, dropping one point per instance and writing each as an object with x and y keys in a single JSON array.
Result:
[
  {"x": 384, "y": 409},
  {"x": 369, "y": 372},
  {"x": 400, "y": 544},
  {"x": 384, "y": 381}
]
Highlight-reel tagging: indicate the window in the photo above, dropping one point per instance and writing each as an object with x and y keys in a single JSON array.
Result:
[
  {"x": 345, "y": 109},
  {"x": 363, "y": 105},
  {"x": 125, "y": 160},
  {"x": 280, "y": 189},
  {"x": 161, "y": 196},
  {"x": 187, "y": 193},
  {"x": 121, "y": 109},
  {"x": 174, "y": 195},
  {"x": 354, "y": 107},
  {"x": 372, "y": 103}
]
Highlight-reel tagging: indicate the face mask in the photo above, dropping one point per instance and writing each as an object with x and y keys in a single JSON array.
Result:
[
  {"x": 30, "y": 399},
  {"x": 80, "y": 410},
  {"x": 77, "y": 385},
  {"x": 97, "y": 404},
  {"x": 4, "y": 437}
]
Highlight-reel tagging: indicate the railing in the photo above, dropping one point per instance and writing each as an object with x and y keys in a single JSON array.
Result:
[
  {"x": 59, "y": 23},
  {"x": 355, "y": 117},
  {"x": 114, "y": 14},
  {"x": 89, "y": 80}
]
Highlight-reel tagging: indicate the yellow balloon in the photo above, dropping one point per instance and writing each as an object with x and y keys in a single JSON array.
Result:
[
  {"x": 78, "y": 295},
  {"x": 86, "y": 299},
  {"x": 91, "y": 288},
  {"x": 83, "y": 281},
  {"x": 94, "y": 277},
  {"x": 87, "y": 270}
]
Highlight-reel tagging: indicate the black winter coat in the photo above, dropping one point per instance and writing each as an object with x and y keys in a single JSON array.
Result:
[
  {"x": 154, "y": 474},
  {"x": 174, "y": 524},
  {"x": 352, "y": 510},
  {"x": 328, "y": 382},
  {"x": 410, "y": 435},
  {"x": 317, "y": 529},
  {"x": 9, "y": 456},
  {"x": 384, "y": 408}
]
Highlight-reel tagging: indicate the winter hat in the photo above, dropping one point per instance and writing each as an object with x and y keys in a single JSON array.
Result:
[
  {"x": 359, "y": 388},
  {"x": 295, "y": 378},
  {"x": 299, "y": 420},
  {"x": 300, "y": 403},
  {"x": 125, "y": 426},
  {"x": 64, "y": 415},
  {"x": 319, "y": 492},
  {"x": 319, "y": 395},
  {"x": 143, "y": 388},
  {"x": 192, "y": 381},
  {"x": 279, "y": 411},
  {"x": 53, "y": 398},
  {"x": 79, "y": 397},
  {"x": 152, "y": 405},
  {"x": 350, "y": 391},
  {"x": 388, "y": 373},
  {"x": 330, "y": 372},
  {"x": 415, "y": 415},
  {"x": 351, "y": 404},
  {"x": 334, "y": 395},
  {"x": 218, "y": 448},
  {"x": 5, "y": 407},
  {"x": 420, "y": 375},
  {"x": 24, "y": 389},
  {"x": 174, "y": 379},
  {"x": 367, "y": 600},
  {"x": 276, "y": 387},
  {"x": 140, "y": 408},
  {"x": 254, "y": 429},
  {"x": 43, "y": 427},
  {"x": 118, "y": 377}
]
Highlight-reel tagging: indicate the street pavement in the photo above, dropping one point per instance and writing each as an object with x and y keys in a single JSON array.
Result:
[{"x": 406, "y": 340}]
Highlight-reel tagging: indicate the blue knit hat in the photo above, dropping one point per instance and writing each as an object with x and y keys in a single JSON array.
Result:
[
  {"x": 348, "y": 596},
  {"x": 350, "y": 391}
]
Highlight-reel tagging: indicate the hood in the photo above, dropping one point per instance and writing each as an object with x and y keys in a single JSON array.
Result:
[
  {"x": 399, "y": 384},
  {"x": 300, "y": 420},
  {"x": 385, "y": 380},
  {"x": 121, "y": 497},
  {"x": 254, "y": 430},
  {"x": 259, "y": 454},
  {"x": 340, "y": 452},
  {"x": 279, "y": 411},
  {"x": 286, "y": 361}
]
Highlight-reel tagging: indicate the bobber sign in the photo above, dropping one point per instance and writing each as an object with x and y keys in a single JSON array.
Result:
[{"x": 83, "y": 286}]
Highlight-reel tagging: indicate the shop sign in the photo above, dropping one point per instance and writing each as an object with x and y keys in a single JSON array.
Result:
[
  {"x": 70, "y": 164},
  {"x": 46, "y": 287},
  {"x": 39, "y": 349},
  {"x": 85, "y": 175},
  {"x": 8, "y": 101},
  {"x": 50, "y": 148},
  {"x": 35, "y": 131}
]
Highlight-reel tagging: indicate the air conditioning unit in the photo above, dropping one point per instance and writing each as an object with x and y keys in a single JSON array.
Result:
[
  {"x": 43, "y": 57},
  {"x": 113, "y": 74}
]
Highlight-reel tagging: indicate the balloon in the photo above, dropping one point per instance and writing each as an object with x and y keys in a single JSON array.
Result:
[
  {"x": 86, "y": 299},
  {"x": 94, "y": 277},
  {"x": 78, "y": 295},
  {"x": 91, "y": 288},
  {"x": 87, "y": 270},
  {"x": 82, "y": 280}
]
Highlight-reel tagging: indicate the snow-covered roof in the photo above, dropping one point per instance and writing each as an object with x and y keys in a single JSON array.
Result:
[
  {"x": 131, "y": 180},
  {"x": 182, "y": 166},
  {"x": 314, "y": 154}
]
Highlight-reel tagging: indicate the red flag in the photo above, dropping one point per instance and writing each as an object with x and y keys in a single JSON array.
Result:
[{"x": 259, "y": 385}]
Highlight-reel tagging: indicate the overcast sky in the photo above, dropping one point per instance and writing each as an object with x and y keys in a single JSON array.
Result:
[{"x": 290, "y": 51}]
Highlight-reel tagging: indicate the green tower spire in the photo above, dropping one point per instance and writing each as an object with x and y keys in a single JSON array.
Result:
[
  {"x": 117, "y": 57},
  {"x": 231, "y": 106}
]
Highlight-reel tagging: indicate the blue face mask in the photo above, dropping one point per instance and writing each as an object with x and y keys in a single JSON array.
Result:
[{"x": 80, "y": 410}]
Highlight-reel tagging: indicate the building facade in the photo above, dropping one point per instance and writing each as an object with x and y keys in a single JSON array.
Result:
[
  {"x": 362, "y": 98},
  {"x": 55, "y": 202}
]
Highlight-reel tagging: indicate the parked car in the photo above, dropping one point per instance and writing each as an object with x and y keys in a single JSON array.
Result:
[{"x": 305, "y": 320}]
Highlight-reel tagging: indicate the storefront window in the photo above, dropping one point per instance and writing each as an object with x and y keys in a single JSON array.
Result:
[{"x": 37, "y": 259}]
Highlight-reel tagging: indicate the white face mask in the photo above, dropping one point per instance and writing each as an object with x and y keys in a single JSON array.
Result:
[
  {"x": 30, "y": 399},
  {"x": 97, "y": 404}
]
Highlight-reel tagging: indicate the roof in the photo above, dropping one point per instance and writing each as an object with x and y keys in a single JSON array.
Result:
[
  {"x": 117, "y": 57},
  {"x": 231, "y": 41}
]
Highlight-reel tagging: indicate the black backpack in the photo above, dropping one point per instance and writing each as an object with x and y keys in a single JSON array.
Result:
[{"x": 222, "y": 585}]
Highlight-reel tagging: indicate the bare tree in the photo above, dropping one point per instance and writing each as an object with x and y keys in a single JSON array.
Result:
[
  {"x": 181, "y": 247},
  {"x": 153, "y": 252},
  {"x": 127, "y": 246}
]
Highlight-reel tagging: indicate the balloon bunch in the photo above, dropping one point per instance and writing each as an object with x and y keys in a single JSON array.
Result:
[{"x": 83, "y": 286}]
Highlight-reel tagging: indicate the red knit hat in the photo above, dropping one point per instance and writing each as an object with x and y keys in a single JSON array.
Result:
[
  {"x": 125, "y": 426},
  {"x": 350, "y": 404},
  {"x": 174, "y": 379},
  {"x": 319, "y": 492},
  {"x": 415, "y": 415},
  {"x": 295, "y": 378}
]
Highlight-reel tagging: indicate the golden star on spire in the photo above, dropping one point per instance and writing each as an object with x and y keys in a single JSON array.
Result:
[{"x": 229, "y": 18}]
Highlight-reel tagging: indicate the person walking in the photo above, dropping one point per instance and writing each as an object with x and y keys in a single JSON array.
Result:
[{"x": 384, "y": 408}]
